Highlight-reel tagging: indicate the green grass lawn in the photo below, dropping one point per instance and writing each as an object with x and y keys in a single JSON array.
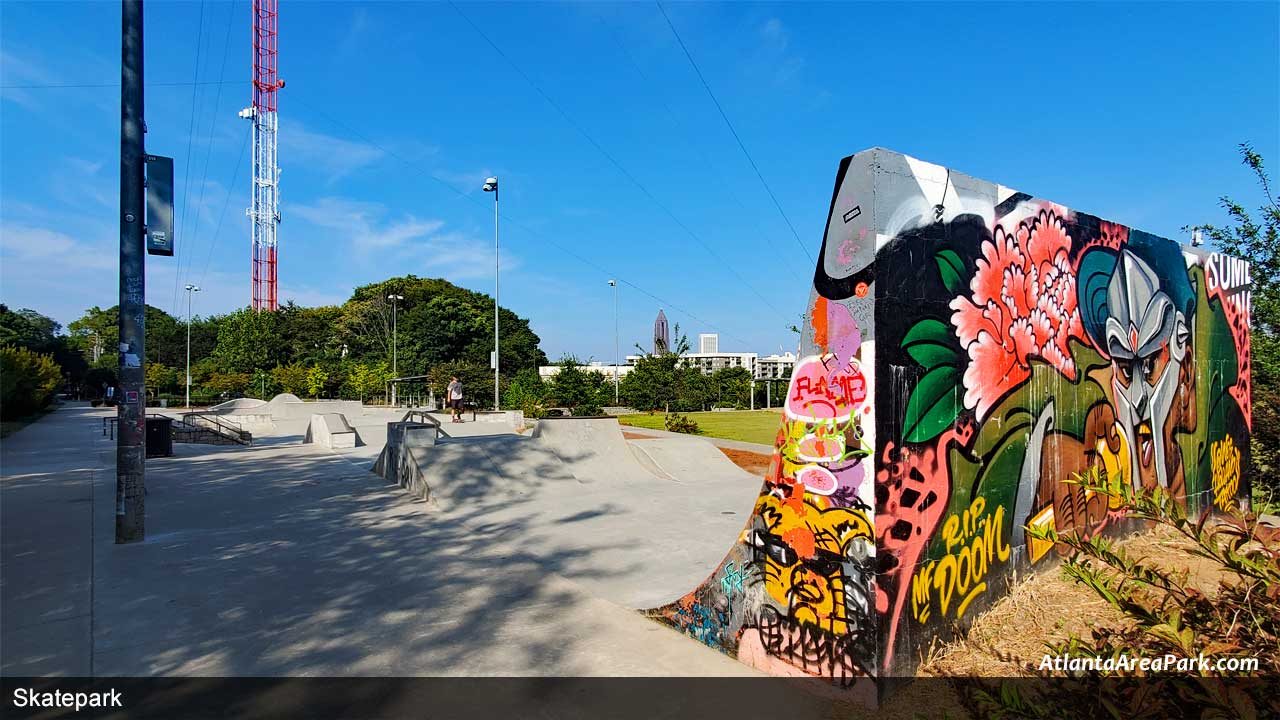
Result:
[{"x": 757, "y": 426}]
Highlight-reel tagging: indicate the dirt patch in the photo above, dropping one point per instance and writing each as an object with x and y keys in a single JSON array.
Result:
[
  {"x": 635, "y": 436},
  {"x": 753, "y": 462},
  {"x": 1009, "y": 639}
]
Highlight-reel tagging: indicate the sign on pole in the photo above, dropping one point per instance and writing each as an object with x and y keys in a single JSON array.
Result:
[{"x": 159, "y": 205}]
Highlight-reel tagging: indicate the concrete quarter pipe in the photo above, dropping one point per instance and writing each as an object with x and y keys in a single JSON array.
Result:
[{"x": 969, "y": 349}]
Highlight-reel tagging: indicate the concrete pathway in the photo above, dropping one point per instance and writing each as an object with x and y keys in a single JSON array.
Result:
[{"x": 283, "y": 559}]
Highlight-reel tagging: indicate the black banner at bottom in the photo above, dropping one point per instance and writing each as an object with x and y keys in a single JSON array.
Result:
[{"x": 647, "y": 698}]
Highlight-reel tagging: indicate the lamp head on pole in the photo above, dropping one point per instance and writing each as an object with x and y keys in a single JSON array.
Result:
[
  {"x": 395, "y": 297},
  {"x": 193, "y": 288},
  {"x": 491, "y": 184},
  {"x": 613, "y": 283}
]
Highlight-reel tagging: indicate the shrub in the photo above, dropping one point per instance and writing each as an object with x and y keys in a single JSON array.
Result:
[
  {"x": 588, "y": 410},
  {"x": 1164, "y": 614},
  {"x": 28, "y": 381},
  {"x": 676, "y": 422}
]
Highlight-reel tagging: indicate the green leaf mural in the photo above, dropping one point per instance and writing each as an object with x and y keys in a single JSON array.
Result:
[
  {"x": 932, "y": 344},
  {"x": 934, "y": 404},
  {"x": 952, "y": 269}
]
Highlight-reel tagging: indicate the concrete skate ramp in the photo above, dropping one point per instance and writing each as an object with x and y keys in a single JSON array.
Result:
[
  {"x": 684, "y": 459},
  {"x": 626, "y": 533},
  {"x": 238, "y": 406},
  {"x": 332, "y": 431},
  {"x": 593, "y": 448}
]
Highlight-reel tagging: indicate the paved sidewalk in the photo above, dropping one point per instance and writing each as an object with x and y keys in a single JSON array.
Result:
[
  {"x": 46, "y": 529},
  {"x": 284, "y": 559}
]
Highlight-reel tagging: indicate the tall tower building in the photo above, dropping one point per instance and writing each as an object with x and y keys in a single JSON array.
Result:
[
  {"x": 661, "y": 335},
  {"x": 708, "y": 343}
]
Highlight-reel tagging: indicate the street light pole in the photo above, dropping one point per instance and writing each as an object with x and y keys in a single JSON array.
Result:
[
  {"x": 614, "y": 284},
  {"x": 491, "y": 185},
  {"x": 190, "y": 289},
  {"x": 395, "y": 372}
]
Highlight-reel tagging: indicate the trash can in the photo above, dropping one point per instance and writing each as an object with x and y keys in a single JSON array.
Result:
[{"x": 159, "y": 436}]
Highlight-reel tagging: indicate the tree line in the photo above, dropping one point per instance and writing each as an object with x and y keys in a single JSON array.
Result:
[{"x": 438, "y": 329}]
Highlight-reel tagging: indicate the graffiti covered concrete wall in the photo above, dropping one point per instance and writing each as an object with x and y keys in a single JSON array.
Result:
[{"x": 969, "y": 349}]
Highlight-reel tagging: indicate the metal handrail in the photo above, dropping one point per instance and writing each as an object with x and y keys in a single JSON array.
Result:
[
  {"x": 222, "y": 427},
  {"x": 110, "y": 423},
  {"x": 424, "y": 416}
]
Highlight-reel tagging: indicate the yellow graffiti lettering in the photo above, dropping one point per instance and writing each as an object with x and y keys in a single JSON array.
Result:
[
  {"x": 974, "y": 540},
  {"x": 1225, "y": 472}
]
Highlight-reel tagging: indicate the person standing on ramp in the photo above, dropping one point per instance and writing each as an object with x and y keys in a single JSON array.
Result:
[{"x": 455, "y": 398}]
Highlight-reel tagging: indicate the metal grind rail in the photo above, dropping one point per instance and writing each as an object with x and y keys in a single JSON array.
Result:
[{"x": 214, "y": 423}]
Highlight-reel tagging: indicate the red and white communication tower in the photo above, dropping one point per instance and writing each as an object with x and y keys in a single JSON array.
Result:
[{"x": 265, "y": 213}]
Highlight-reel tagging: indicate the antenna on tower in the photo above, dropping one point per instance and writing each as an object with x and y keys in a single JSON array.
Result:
[{"x": 264, "y": 214}]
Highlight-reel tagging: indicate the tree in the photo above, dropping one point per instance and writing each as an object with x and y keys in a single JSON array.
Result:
[
  {"x": 361, "y": 380},
  {"x": 316, "y": 379},
  {"x": 291, "y": 378},
  {"x": 308, "y": 335},
  {"x": 1258, "y": 242},
  {"x": 477, "y": 381},
  {"x": 248, "y": 341},
  {"x": 575, "y": 388},
  {"x": 28, "y": 381},
  {"x": 526, "y": 392},
  {"x": 161, "y": 377},
  {"x": 28, "y": 329},
  {"x": 731, "y": 387},
  {"x": 228, "y": 383},
  {"x": 659, "y": 382}
]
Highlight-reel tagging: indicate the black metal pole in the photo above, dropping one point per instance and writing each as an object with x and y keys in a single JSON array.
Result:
[{"x": 131, "y": 401}]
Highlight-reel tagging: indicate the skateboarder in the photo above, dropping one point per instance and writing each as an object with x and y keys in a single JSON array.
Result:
[{"x": 454, "y": 398}]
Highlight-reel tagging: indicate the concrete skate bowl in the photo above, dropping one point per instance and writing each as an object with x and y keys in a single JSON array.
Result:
[{"x": 587, "y": 503}]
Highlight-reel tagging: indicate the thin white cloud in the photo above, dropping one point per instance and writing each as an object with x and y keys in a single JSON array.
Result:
[
  {"x": 781, "y": 64},
  {"x": 36, "y": 249},
  {"x": 363, "y": 223},
  {"x": 377, "y": 238},
  {"x": 15, "y": 70},
  {"x": 331, "y": 157}
]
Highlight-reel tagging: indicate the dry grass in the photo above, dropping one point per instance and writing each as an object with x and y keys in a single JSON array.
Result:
[
  {"x": 1009, "y": 639},
  {"x": 754, "y": 463}
]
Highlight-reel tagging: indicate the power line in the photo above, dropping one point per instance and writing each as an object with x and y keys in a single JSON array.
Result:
[
  {"x": 508, "y": 219},
  {"x": 213, "y": 127},
  {"x": 76, "y": 86},
  {"x": 217, "y": 231},
  {"x": 725, "y": 117},
  {"x": 675, "y": 121},
  {"x": 614, "y": 161},
  {"x": 186, "y": 174}
]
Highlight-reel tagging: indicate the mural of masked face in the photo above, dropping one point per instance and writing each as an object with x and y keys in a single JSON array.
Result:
[{"x": 1146, "y": 335}]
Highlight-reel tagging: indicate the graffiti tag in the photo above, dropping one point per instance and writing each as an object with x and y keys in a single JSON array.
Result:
[{"x": 973, "y": 542}]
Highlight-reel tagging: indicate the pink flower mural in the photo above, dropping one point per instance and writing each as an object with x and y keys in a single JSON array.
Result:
[{"x": 1022, "y": 306}]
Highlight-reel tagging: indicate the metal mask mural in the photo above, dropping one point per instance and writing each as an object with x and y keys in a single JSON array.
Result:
[{"x": 969, "y": 351}]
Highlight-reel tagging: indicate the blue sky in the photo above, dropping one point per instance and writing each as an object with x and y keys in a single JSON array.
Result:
[{"x": 394, "y": 113}]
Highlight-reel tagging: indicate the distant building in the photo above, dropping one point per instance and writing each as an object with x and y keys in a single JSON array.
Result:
[
  {"x": 711, "y": 362},
  {"x": 775, "y": 367},
  {"x": 661, "y": 334},
  {"x": 708, "y": 343},
  {"x": 546, "y": 372}
]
